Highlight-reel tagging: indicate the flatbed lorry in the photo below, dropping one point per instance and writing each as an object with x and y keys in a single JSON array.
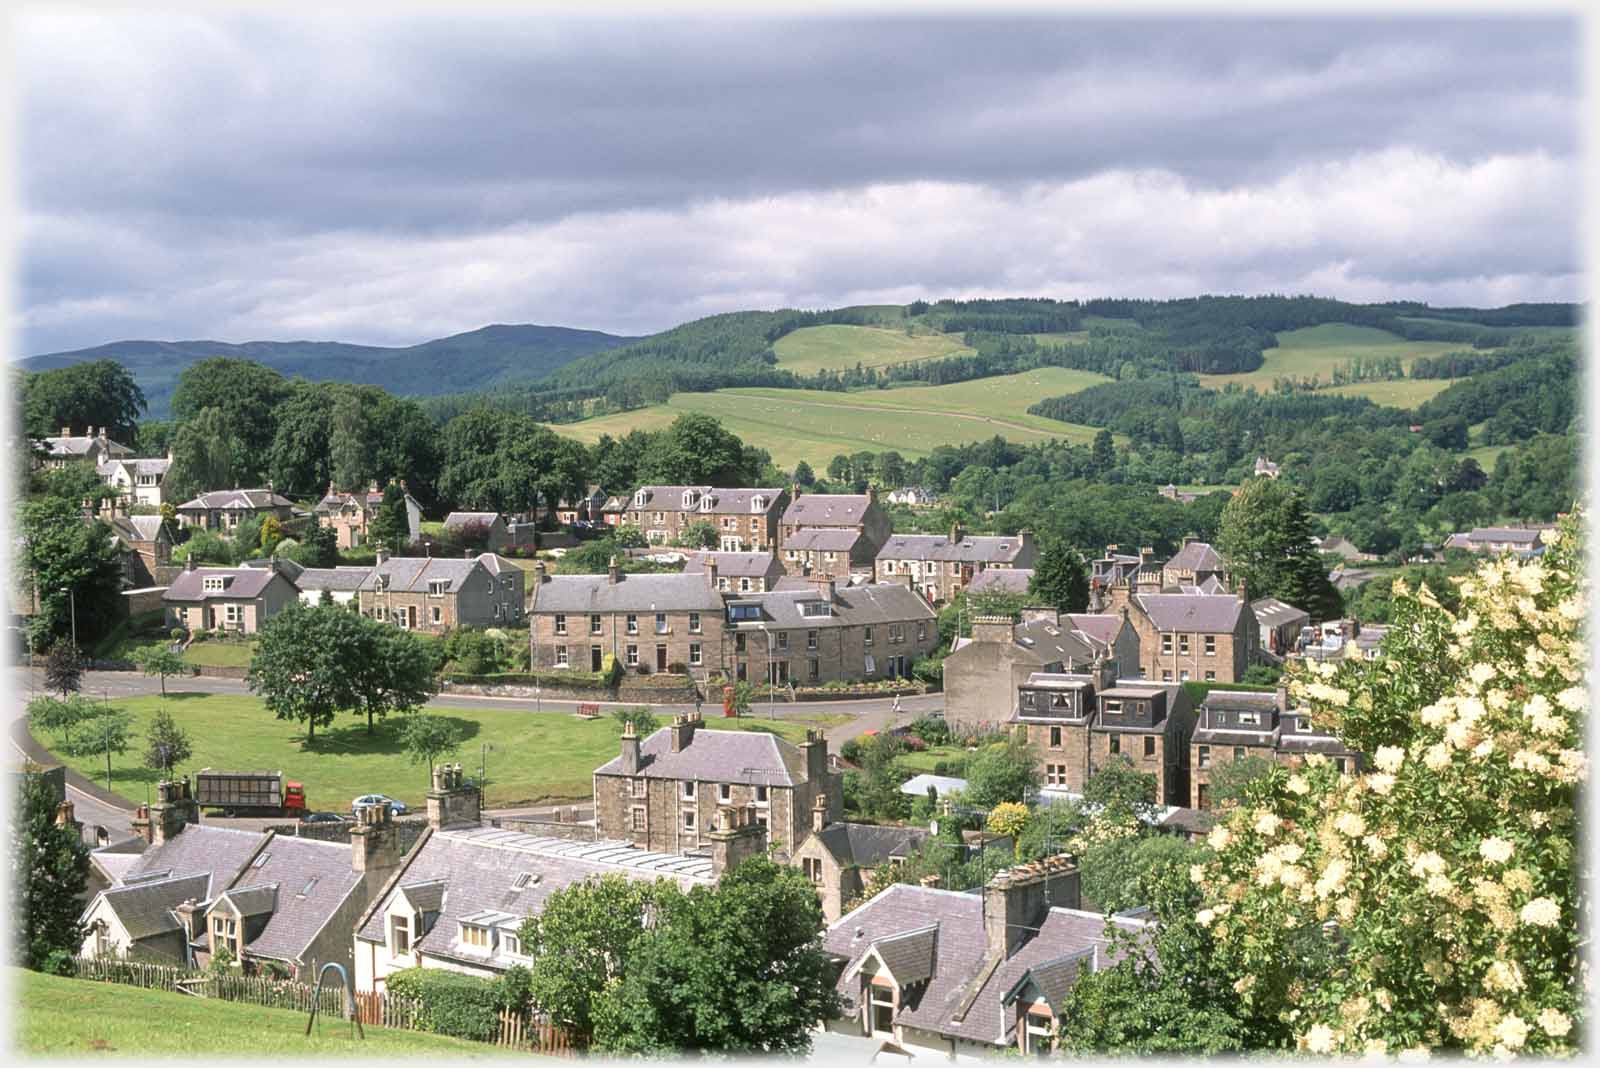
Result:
[{"x": 249, "y": 793}]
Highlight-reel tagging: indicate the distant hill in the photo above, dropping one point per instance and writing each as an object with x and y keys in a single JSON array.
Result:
[{"x": 477, "y": 360}]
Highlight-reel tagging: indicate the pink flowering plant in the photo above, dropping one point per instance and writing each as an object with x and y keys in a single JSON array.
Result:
[{"x": 1428, "y": 901}]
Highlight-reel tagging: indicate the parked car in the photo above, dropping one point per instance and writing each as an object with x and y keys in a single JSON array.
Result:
[
  {"x": 396, "y": 807},
  {"x": 324, "y": 817}
]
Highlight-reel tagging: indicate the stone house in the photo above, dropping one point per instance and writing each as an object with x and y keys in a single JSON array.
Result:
[
  {"x": 663, "y": 792},
  {"x": 654, "y": 622},
  {"x": 238, "y": 599},
  {"x": 460, "y": 894},
  {"x": 436, "y": 594},
  {"x": 1173, "y": 493},
  {"x": 341, "y": 584},
  {"x": 1235, "y": 725},
  {"x": 746, "y": 520},
  {"x": 1279, "y": 625},
  {"x": 859, "y": 512},
  {"x": 137, "y": 481},
  {"x": 1265, "y": 467},
  {"x": 941, "y": 567},
  {"x": 827, "y": 633},
  {"x": 491, "y": 526},
  {"x": 224, "y": 510},
  {"x": 1193, "y": 636},
  {"x": 737, "y": 572},
  {"x": 1194, "y": 563},
  {"x": 1520, "y": 541},
  {"x": 584, "y": 509},
  {"x": 1013, "y": 580},
  {"x": 833, "y": 552},
  {"x": 266, "y": 897},
  {"x": 840, "y": 858},
  {"x": 614, "y": 511},
  {"x": 1079, "y": 721},
  {"x": 147, "y": 544},
  {"x": 982, "y": 673},
  {"x": 90, "y": 448},
  {"x": 348, "y": 515},
  {"x": 912, "y": 497},
  {"x": 966, "y": 975}
]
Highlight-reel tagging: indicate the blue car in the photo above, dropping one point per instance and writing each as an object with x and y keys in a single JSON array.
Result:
[{"x": 398, "y": 808}]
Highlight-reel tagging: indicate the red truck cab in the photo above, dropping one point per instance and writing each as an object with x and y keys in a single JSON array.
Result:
[{"x": 294, "y": 797}]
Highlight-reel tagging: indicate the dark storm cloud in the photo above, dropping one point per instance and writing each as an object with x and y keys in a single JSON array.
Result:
[{"x": 183, "y": 176}]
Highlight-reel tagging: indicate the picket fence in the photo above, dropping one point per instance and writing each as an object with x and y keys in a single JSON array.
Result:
[{"x": 517, "y": 1032}]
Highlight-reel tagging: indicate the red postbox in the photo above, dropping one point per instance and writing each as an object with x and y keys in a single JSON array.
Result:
[{"x": 727, "y": 702}]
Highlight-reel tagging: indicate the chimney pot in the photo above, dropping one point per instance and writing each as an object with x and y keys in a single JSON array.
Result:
[{"x": 613, "y": 572}]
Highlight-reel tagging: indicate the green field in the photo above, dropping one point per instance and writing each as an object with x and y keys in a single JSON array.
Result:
[
  {"x": 209, "y": 653},
  {"x": 535, "y": 757},
  {"x": 816, "y": 425},
  {"x": 1400, "y": 393},
  {"x": 80, "y": 1019},
  {"x": 836, "y": 348},
  {"x": 1317, "y": 350}
]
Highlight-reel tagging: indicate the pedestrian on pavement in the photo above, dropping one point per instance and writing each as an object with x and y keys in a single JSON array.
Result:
[
  {"x": 698, "y": 701},
  {"x": 897, "y": 704}
]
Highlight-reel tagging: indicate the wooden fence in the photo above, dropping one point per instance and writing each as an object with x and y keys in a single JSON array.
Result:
[{"x": 377, "y": 1009}]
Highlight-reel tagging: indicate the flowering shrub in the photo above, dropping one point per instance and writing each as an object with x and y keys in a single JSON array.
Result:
[{"x": 1430, "y": 901}]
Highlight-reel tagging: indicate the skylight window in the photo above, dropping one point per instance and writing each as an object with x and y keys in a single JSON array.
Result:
[{"x": 259, "y": 861}]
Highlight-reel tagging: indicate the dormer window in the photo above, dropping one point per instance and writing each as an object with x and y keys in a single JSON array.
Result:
[
  {"x": 436, "y": 587},
  {"x": 216, "y": 584},
  {"x": 707, "y": 503},
  {"x": 1249, "y": 719},
  {"x": 816, "y": 608},
  {"x": 639, "y": 499},
  {"x": 1112, "y": 705},
  {"x": 474, "y": 935},
  {"x": 758, "y": 503},
  {"x": 690, "y": 498}
]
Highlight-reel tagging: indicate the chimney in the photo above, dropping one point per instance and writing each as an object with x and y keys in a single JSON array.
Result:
[
  {"x": 794, "y": 491},
  {"x": 736, "y": 838},
  {"x": 872, "y": 495},
  {"x": 819, "y": 814},
  {"x": 173, "y": 811},
  {"x": 66, "y": 431},
  {"x": 991, "y": 628},
  {"x": 381, "y": 556},
  {"x": 452, "y": 801},
  {"x": 1096, "y": 602},
  {"x": 540, "y": 572},
  {"x": 1105, "y": 673},
  {"x": 141, "y": 823},
  {"x": 89, "y": 431},
  {"x": 1242, "y": 598},
  {"x": 825, "y": 588},
  {"x": 630, "y": 749},
  {"x": 1145, "y": 553},
  {"x": 192, "y": 918},
  {"x": 188, "y": 564},
  {"x": 955, "y": 533},
  {"x": 102, "y": 435},
  {"x": 1283, "y": 695},
  {"x": 64, "y": 815},
  {"x": 1018, "y": 899},
  {"x": 330, "y": 484},
  {"x": 815, "y": 748},
  {"x": 613, "y": 572},
  {"x": 375, "y": 841},
  {"x": 682, "y": 733},
  {"x": 711, "y": 570},
  {"x": 931, "y": 882},
  {"x": 372, "y": 487}
]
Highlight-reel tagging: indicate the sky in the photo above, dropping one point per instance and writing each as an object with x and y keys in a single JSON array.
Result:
[{"x": 250, "y": 176}]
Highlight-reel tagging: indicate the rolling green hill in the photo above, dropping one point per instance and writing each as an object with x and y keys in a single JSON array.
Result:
[
  {"x": 840, "y": 347},
  {"x": 816, "y": 425},
  {"x": 477, "y": 360},
  {"x": 1314, "y": 351}
]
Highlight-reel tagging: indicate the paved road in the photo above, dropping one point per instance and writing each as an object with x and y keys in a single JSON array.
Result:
[{"x": 91, "y": 804}]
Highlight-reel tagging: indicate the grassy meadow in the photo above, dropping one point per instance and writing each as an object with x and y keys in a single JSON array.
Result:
[
  {"x": 1317, "y": 350},
  {"x": 816, "y": 425},
  {"x": 535, "y": 756},
  {"x": 77, "y": 1018},
  {"x": 836, "y": 347}
]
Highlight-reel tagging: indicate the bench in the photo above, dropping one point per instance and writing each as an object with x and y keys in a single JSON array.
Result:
[{"x": 588, "y": 711}]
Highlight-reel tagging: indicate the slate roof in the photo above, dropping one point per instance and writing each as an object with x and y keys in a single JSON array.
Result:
[
  {"x": 1191, "y": 612},
  {"x": 1050, "y": 643},
  {"x": 1002, "y": 580},
  {"x": 1113, "y": 567},
  {"x": 332, "y": 578},
  {"x": 917, "y": 785},
  {"x": 1240, "y": 700},
  {"x": 1054, "y": 978},
  {"x": 79, "y": 445},
  {"x": 1271, "y": 612},
  {"x": 972, "y": 548},
  {"x": 734, "y": 565},
  {"x": 302, "y": 882},
  {"x": 1196, "y": 556},
  {"x": 876, "y": 603},
  {"x": 199, "y": 848},
  {"x": 958, "y": 947},
  {"x": 131, "y": 528},
  {"x": 823, "y": 539},
  {"x": 249, "y": 500},
  {"x": 152, "y": 465},
  {"x": 827, "y": 510},
  {"x": 910, "y": 956},
  {"x": 1101, "y": 628},
  {"x": 868, "y": 845},
  {"x": 412, "y": 574},
  {"x": 630, "y": 593},
  {"x": 248, "y": 583},
  {"x": 475, "y": 870},
  {"x": 459, "y": 519},
  {"x": 723, "y": 501},
  {"x": 717, "y": 756},
  {"x": 145, "y": 909}
]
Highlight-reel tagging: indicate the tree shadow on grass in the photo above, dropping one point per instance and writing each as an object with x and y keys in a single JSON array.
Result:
[
  {"x": 352, "y": 739},
  {"x": 186, "y": 695}
]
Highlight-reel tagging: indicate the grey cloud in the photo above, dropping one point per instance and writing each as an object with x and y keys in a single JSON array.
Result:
[{"x": 210, "y": 148}]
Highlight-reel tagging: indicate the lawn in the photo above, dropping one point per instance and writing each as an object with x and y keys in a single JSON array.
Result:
[
  {"x": 836, "y": 348},
  {"x": 1316, "y": 350},
  {"x": 79, "y": 1018},
  {"x": 532, "y": 757},
  {"x": 1400, "y": 393},
  {"x": 816, "y": 425},
  {"x": 209, "y": 653}
]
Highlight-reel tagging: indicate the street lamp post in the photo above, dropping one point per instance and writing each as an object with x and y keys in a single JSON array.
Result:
[
  {"x": 768, "y": 634},
  {"x": 72, "y": 599}
]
